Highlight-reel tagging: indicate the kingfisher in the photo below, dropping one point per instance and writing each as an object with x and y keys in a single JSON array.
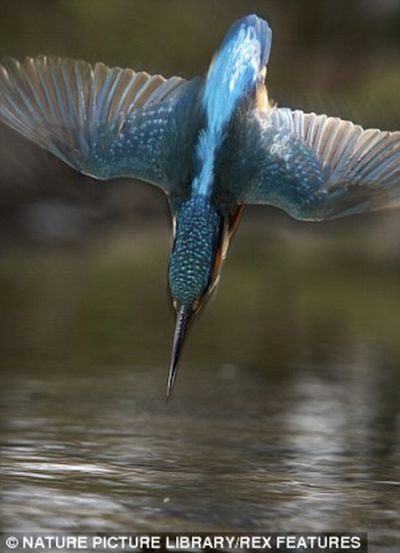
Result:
[{"x": 213, "y": 144}]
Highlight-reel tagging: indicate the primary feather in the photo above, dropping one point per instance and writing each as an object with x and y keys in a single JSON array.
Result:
[
  {"x": 319, "y": 167},
  {"x": 105, "y": 122}
]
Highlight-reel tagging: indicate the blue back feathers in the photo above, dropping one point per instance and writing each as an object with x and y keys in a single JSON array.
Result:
[{"x": 234, "y": 74}]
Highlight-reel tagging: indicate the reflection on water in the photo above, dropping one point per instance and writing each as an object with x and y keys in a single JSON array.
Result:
[{"x": 285, "y": 415}]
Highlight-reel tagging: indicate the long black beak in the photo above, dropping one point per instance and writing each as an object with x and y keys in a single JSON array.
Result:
[{"x": 182, "y": 320}]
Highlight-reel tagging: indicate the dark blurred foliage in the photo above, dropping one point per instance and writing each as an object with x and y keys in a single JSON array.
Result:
[{"x": 329, "y": 56}]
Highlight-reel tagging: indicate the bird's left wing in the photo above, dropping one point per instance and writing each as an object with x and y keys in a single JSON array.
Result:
[
  {"x": 318, "y": 167},
  {"x": 105, "y": 122}
]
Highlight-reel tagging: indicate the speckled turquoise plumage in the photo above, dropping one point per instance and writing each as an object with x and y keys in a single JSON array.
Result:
[
  {"x": 213, "y": 144},
  {"x": 198, "y": 231}
]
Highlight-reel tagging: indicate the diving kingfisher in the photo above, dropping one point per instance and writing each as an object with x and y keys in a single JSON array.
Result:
[{"x": 212, "y": 144}]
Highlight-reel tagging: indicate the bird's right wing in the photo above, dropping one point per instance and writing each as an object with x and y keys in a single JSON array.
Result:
[
  {"x": 104, "y": 122},
  {"x": 318, "y": 167}
]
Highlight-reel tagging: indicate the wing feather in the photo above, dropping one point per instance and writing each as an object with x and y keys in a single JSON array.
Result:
[
  {"x": 106, "y": 122},
  {"x": 354, "y": 169}
]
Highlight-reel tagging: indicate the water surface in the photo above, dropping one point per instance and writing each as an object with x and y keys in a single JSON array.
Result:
[{"x": 285, "y": 415}]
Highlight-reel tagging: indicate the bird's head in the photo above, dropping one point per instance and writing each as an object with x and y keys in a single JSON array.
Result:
[{"x": 193, "y": 266}]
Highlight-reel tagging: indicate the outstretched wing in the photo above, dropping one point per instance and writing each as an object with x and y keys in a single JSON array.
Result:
[
  {"x": 318, "y": 167},
  {"x": 104, "y": 122}
]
